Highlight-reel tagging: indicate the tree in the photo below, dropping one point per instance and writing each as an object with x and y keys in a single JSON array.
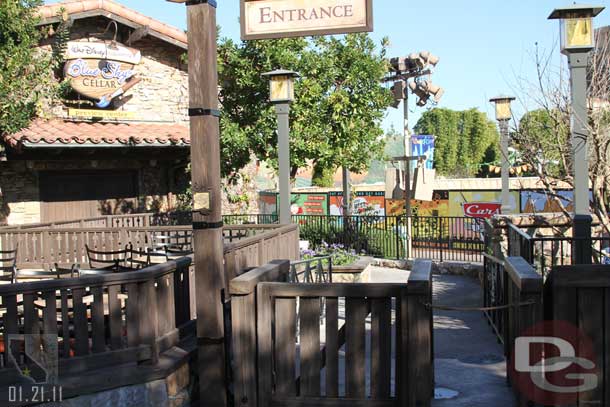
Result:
[
  {"x": 543, "y": 133},
  {"x": 26, "y": 74},
  {"x": 336, "y": 118},
  {"x": 542, "y": 137},
  {"x": 464, "y": 140}
]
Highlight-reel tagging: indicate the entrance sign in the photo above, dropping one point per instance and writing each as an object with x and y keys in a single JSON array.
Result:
[
  {"x": 262, "y": 19},
  {"x": 101, "y": 70},
  {"x": 484, "y": 210}
]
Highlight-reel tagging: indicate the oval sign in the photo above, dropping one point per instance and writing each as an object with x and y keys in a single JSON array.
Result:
[
  {"x": 483, "y": 210},
  {"x": 101, "y": 71}
]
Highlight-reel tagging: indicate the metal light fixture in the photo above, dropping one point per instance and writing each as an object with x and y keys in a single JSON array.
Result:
[
  {"x": 503, "y": 115},
  {"x": 576, "y": 23},
  {"x": 503, "y": 110},
  {"x": 281, "y": 85},
  {"x": 281, "y": 94}
]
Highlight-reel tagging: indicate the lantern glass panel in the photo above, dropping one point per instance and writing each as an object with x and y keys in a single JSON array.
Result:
[
  {"x": 503, "y": 111},
  {"x": 577, "y": 33},
  {"x": 281, "y": 88}
]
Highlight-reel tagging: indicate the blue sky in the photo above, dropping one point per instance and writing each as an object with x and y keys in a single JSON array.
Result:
[{"x": 484, "y": 45}]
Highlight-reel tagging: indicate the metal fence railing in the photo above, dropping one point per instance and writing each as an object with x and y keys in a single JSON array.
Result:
[
  {"x": 546, "y": 252},
  {"x": 441, "y": 238}
]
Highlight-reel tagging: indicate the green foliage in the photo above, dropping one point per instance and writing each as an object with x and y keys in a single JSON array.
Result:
[
  {"x": 464, "y": 140},
  {"x": 26, "y": 77},
  {"x": 543, "y": 137},
  {"x": 340, "y": 103}
]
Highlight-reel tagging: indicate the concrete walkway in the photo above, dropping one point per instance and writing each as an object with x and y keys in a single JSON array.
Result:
[{"x": 469, "y": 362}]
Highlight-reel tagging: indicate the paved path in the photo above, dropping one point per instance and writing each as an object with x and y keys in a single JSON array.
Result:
[{"x": 468, "y": 358}]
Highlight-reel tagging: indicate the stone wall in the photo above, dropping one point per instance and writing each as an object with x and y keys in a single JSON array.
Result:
[
  {"x": 20, "y": 201},
  {"x": 173, "y": 391}
]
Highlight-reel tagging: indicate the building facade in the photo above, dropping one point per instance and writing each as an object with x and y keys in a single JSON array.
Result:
[{"x": 118, "y": 140}]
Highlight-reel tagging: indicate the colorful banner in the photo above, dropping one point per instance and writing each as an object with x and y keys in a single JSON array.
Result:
[
  {"x": 458, "y": 198},
  {"x": 308, "y": 204},
  {"x": 539, "y": 202},
  {"x": 365, "y": 203},
  {"x": 423, "y": 145},
  {"x": 267, "y": 203}
]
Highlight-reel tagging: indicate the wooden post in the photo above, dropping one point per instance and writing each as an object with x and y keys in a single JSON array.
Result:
[{"x": 207, "y": 218}]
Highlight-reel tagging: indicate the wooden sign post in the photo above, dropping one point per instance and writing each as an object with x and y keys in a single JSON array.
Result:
[
  {"x": 207, "y": 207},
  {"x": 353, "y": 16}
]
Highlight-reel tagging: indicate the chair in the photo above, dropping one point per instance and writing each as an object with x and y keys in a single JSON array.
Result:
[
  {"x": 8, "y": 257},
  {"x": 111, "y": 260},
  {"x": 67, "y": 271},
  {"x": 175, "y": 253}
]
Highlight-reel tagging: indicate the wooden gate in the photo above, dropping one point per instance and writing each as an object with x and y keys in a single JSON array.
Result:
[{"x": 363, "y": 344}]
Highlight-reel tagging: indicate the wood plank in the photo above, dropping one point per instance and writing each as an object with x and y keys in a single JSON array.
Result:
[
  {"x": 285, "y": 346},
  {"x": 402, "y": 385},
  {"x": 381, "y": 347},
  {"x": 81, "y": 326},
  {"x": 355, "y": 314},
  {"x": 264, "y": 342},
  {"x": 49, "y": 313},
  {"x": 133, "y": 315},
  {"x": 330, "y": 402},
  {"x": 114, "y": 317},
  {"x": 243, "y": 320},
  {"x": 10, "y": 320},
  {"x": 361, "y": 290},
  {"x": 165, "y": 304},
  {"x": 247, "y": 282},
  {"x": 101, "y": 360},
  {"x": 149, "y": 323},
  {"x": 590, "y": 320},
  {"x": 606, "y": 322},
  {"x": 332, "y": 347},
  {"x": 98, "y": 335},
  {"x": 420, "y": 346},
  {"x": 65, "y": 324},
  {"x": 309, "y": 316}
]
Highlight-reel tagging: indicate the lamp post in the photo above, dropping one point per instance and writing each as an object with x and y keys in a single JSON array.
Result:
[
  {"x": 503, "y": 116},
  {"x": 577, "y": 41},
  {"x": 281, "y": 94}
]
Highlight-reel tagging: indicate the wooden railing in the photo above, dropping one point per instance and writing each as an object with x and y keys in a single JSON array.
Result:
[
  {"x": 100, "y": 321},
  {"x": 265, "y": 317},
  {"x": 105, "y": 221},
  {"x": 43, "y": 247},
  {"x": 276, "y": 242},
  {"x": 514, "y": 285},
  {"x": 246, "y": 246}
]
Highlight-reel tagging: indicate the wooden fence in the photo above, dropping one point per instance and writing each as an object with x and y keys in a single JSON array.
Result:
[
  {"x": 580, "y": 295},
  {"x": 246, "y": 246},
  {"x": 99, "y": 321},
  {"x": 278, "y": 365}
]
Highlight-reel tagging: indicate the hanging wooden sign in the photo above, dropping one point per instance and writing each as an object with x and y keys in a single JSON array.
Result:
[
  {"x": 262, "y": 19},
  {"x": 100, "y": 70}
]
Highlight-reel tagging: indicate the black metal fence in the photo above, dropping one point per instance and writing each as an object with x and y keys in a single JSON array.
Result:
[
  {"x": 441, "y": 238},
  {"x": 546, "y": 252},
  {"x": 433, "y": 237}
]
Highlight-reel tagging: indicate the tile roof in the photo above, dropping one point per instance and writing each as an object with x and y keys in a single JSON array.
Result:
[
  {"x": 66, "y": 133},
  {"x": 108, "y": 8}
]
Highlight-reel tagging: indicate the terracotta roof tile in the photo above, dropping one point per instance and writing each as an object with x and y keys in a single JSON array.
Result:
[
  {"x": 63, "y": 132},
  {"x": 50, "y": 11}
]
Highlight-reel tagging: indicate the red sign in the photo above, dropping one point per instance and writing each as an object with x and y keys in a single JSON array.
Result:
[{"x": 483, "y": 210}]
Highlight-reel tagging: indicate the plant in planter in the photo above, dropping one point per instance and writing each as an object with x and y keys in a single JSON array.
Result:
[{"x": 339, "y": 255}]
